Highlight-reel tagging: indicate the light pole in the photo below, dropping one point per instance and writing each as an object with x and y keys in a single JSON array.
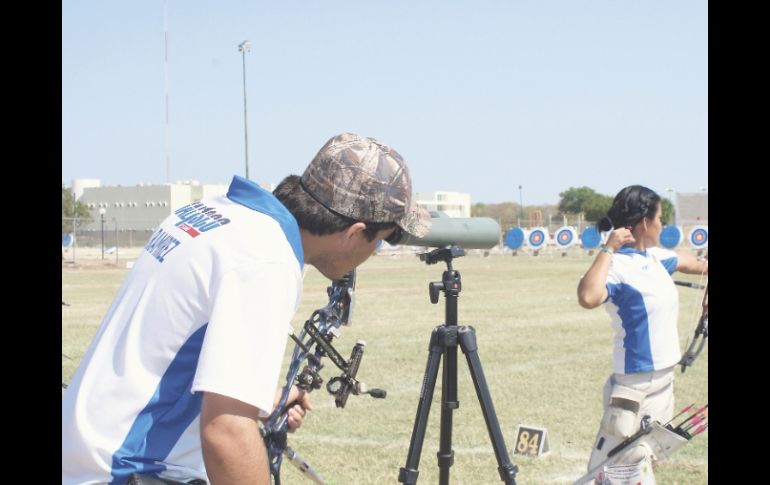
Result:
[
  {"x": 117, "y": 243},
  {"x": 74, "y": 220},
  {"x": 521, "y": 206},
  {"x": 245, "y": 47},
  {"x": 102, "y": 211}
]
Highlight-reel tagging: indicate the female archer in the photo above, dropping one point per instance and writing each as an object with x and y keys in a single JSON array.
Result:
[{"x": 631, "y": 277}]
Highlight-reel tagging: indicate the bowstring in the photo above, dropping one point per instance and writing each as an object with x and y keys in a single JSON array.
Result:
[{"x": 697, "y": 304}]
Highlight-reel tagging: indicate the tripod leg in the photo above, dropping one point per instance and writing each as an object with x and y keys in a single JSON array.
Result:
[
  {"x": 449, "y": 402},
  {"x": 507, "y": 470},
  {"x": 408, "y": 474}
]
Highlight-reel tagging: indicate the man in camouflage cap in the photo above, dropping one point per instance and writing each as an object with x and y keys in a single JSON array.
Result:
[
  {"x": 354, "y": 192},
  {"x": 187, "y": 359},
  {"x": 365, "y": 180}
]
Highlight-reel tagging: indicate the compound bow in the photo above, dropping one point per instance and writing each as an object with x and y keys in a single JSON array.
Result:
[
  {"x": 319, "y": 330},
  {"x": 700, "y": 335}
]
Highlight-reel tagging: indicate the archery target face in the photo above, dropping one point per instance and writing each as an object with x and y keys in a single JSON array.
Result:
[
  {"x": 670, "y": 237},
  {"x": 514, "y": 238},
  {"x": 537, "y": 238},
  {"x": 591, "y": 238},
  {"x": 699, "y": 237},
  {"x": 67, "y": 240},
  {"x": 565, "y": 237}
]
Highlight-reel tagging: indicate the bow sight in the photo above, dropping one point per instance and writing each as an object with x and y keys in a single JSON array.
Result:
[{"x": 319, "y": 330}]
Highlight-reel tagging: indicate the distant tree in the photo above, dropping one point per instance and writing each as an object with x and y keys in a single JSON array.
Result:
[
  {"x": 667, "y": 211},
  {"x": 72, "y": 210},
  {"x": 575, "y": 199},
  {"x": 478, "y": 209},
  {"x": 507, "y": 214},
  {"x": 596, "y": 207}
]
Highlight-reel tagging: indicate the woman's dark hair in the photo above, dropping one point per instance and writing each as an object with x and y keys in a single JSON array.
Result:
[
  {"x": 316, "y": 218},
  {"x": 629, "y": 207}
]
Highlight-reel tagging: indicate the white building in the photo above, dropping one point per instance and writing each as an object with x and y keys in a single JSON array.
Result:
[
  {"x": 453, "y": 204},
  {"x": 79, "y": 185}
]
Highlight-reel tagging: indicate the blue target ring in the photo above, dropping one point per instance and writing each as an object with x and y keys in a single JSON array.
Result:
[
  {"x": 514, "y": 238},
  {"x": 670, "y": 237},
  {"x": 67, "y": 240},
  {"x": 591, "y": 238},
  {"x": 565, "y": 237},
  {"x": 536, "y": 238},
  {"x": 699, "y": 237}
]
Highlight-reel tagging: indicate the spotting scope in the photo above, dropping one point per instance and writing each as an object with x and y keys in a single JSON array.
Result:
[{"x": 467, "y": 232}]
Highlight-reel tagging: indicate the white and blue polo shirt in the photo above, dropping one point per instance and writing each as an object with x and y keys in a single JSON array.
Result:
[
  {"x": 644, "y": 306},
  {"x": 206, "y": 307}
]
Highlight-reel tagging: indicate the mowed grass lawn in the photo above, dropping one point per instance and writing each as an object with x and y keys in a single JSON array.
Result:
[{"x": 544, "y": 357}]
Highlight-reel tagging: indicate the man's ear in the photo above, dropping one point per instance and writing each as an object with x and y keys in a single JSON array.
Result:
[{"x": 354, "y": 229}]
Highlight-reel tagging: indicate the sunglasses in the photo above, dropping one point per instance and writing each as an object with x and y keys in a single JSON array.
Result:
[{"x": 395, "y": 236}]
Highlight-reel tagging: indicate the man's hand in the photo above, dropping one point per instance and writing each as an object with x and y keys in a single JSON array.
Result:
[{"x": 299, "y": 403}]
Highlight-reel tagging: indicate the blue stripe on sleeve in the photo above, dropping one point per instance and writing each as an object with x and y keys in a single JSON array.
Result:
[{"x": 670, "y": 264}]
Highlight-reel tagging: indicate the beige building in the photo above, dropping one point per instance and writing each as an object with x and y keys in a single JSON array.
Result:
[
  {"x": 453, "y": 204},
  {"x": 142, "y": 207},
  {"x": 692, "y": 208}
]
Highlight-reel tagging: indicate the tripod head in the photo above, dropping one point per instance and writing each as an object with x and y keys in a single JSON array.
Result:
[
  {"x": 450, "y": 282},
  {"x": 445, "y": 254}
]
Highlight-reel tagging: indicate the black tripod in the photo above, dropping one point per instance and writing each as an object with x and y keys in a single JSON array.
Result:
[{"x": 444, "y": 340}]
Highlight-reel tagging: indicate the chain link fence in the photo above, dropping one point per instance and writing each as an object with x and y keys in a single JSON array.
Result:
[{"x": 111, "y": 239}]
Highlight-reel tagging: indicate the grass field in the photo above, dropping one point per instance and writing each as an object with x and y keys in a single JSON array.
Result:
[{"x": 544, "y": 357}]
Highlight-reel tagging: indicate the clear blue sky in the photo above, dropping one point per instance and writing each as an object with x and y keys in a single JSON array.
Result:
[{"x": 478, "y": 96}]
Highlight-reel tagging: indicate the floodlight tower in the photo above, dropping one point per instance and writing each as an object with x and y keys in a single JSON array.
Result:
[
  {"x": 102, "y": 211},
  {"x": 245, "y": 47}
]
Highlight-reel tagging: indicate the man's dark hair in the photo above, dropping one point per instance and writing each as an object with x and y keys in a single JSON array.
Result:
[
  {"x": 629, "y": 207},
  {"x": 316, "y": 218}
]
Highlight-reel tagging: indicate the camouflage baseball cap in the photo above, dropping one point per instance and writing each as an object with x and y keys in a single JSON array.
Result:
[{"x": 366, "y": 180}]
